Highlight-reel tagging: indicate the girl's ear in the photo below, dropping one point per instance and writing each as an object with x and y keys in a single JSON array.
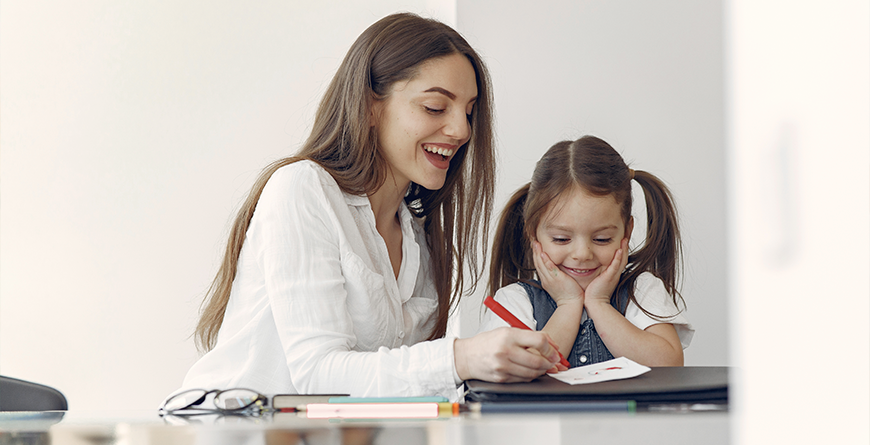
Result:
[{"x": 629, "y": 227}]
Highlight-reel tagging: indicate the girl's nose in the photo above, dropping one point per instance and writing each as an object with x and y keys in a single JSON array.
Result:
[{"x": 582, "y": 252}]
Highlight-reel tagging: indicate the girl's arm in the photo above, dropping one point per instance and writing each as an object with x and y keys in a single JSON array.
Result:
[
  {"x": 637, "y": 336},
  {"x": 657, "y": 345}
]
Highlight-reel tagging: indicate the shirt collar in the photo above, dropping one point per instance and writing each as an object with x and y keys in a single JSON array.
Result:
[{"x": 356, "y": 200}]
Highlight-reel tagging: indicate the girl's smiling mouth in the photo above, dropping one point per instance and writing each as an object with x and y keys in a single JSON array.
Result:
[{"x": 578, "y": 272}]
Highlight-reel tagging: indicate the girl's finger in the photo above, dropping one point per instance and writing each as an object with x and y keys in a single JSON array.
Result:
[
  {"x": 620, "y": 258},
  {"x": 549, "y": 265},
  {"x": 540, "y": 260},
  {"x": 617, "y": 261},
  {"x": 624, "y": 261}
]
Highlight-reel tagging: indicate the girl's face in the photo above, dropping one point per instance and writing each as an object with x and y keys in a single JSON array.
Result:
[
  {"x": 581, "y": 233},
  {"x": 424, "y": 121}
]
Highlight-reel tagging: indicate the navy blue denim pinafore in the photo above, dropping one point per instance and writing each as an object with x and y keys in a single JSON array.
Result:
[{"x": 588, "y": 347}]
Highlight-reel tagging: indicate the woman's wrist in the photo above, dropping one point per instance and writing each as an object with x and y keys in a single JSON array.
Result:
[{"x": 460, "y": 362}]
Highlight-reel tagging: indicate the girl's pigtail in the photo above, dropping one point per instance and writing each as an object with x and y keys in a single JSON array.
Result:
[
  {"x": 661, "y": 254},
  {"x": 510, "y": 261}
]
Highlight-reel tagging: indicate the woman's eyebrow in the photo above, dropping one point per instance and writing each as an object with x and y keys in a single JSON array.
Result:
[
  {"x": 446, "y": 93},
  {"x": 442, "y": 91}
]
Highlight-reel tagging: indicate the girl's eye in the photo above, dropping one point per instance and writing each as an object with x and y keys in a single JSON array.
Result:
[
  {"x": 560, "y": 240},
  {"x": 603, "y": 240}
]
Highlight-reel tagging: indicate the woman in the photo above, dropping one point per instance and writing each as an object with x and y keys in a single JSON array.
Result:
[{"x": 344, "y": 261}]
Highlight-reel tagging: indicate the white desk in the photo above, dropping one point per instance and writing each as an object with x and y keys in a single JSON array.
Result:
[{"x": 144, "y": 428}]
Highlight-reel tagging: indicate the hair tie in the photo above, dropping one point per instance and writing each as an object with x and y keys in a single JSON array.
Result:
[{"x": 630, "y": 174}]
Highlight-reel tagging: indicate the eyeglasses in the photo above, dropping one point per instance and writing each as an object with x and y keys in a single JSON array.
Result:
[{"x": 226, "y": 401}]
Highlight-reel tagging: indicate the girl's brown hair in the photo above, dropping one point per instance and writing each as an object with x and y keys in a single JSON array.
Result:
[
  {"x": 344, "y": 143},
  {"x": 593, "y": 165}
]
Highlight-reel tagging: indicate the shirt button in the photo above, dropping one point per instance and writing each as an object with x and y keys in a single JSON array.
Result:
[
  {"x": 401, "y": 334},
  {"x": 583, "y": 359}
]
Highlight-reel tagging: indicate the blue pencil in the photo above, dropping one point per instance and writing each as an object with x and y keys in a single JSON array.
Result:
[{"x": 628, "y": 406}]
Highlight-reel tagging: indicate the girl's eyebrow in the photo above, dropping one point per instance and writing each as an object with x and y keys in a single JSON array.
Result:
[
  {"x": 569, "y": 229},
  {"x": 608, "y": 227},
  {"x": 447, "y": 93}
]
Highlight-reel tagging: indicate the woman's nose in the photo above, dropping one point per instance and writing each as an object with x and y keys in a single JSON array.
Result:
[{"x": 458, "y": 127}]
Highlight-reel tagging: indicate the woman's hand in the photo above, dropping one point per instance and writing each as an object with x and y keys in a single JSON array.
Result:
[
  {"x": 602, "y": 287},
  {"x": 505, "y": 355},
  {"x": 561, "y": 287}
]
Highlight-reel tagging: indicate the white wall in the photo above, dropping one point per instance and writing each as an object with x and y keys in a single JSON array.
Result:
[
  {"x": 130, "y": 132},
  {"x": 799, "y": 191},
  {"x": 645, "y": 76}
]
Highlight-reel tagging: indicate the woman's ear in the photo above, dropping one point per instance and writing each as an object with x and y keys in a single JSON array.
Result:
[{"x": 375, "y": 111}]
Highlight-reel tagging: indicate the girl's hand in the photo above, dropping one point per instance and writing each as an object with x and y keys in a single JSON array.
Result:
[
  {"x": 561, "y": 287},
  {"x": 505, "y": 355},
  {"x": 602, "y": 287}
]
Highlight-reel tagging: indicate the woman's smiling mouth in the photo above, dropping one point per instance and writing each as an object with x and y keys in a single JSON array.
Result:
[
  {"x": 445, "y": 152},
  {"x": 439, "y": 154}
]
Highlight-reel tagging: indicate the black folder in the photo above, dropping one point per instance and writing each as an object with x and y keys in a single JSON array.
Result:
[{"x": 663, "y": 385}]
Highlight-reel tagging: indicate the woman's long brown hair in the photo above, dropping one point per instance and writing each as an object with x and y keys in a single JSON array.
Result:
[
  {"x": 456, "y": 217},
  {"x": 593, "y": 165}
]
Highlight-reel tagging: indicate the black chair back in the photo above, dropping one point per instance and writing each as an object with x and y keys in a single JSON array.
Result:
[{"x": 21, "y": 395}]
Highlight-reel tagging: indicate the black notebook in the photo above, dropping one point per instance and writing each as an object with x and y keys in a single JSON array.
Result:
[{"x": 665, "y": 385}]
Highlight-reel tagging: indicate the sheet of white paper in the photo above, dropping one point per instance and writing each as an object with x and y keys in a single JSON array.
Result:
[{"x": 616, "y": 369}]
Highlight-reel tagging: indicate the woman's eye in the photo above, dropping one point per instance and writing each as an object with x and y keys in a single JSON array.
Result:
[{"x": 431, "y": 110}]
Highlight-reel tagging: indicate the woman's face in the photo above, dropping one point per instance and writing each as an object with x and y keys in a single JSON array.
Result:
[
  {"x": 581, "y": 233},
  {"x": 424, "y": 121}
]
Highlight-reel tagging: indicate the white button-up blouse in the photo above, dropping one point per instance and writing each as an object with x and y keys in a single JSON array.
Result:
[{"x": 315, "y": 306}]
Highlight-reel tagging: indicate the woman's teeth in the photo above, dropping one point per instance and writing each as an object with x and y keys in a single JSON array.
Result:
[{"x": 446, "y": 152}]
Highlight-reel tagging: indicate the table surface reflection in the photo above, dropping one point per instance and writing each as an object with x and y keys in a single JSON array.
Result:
[{"x": 146, "y": 427}]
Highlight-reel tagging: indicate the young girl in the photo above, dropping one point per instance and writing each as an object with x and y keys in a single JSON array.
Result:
[
  {"x": 345, "y": 259},
  {"x": 570, "y": 228}
]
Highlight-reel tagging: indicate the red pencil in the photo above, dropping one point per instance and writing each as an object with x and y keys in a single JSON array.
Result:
[{"x": 515, "y": 322}]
